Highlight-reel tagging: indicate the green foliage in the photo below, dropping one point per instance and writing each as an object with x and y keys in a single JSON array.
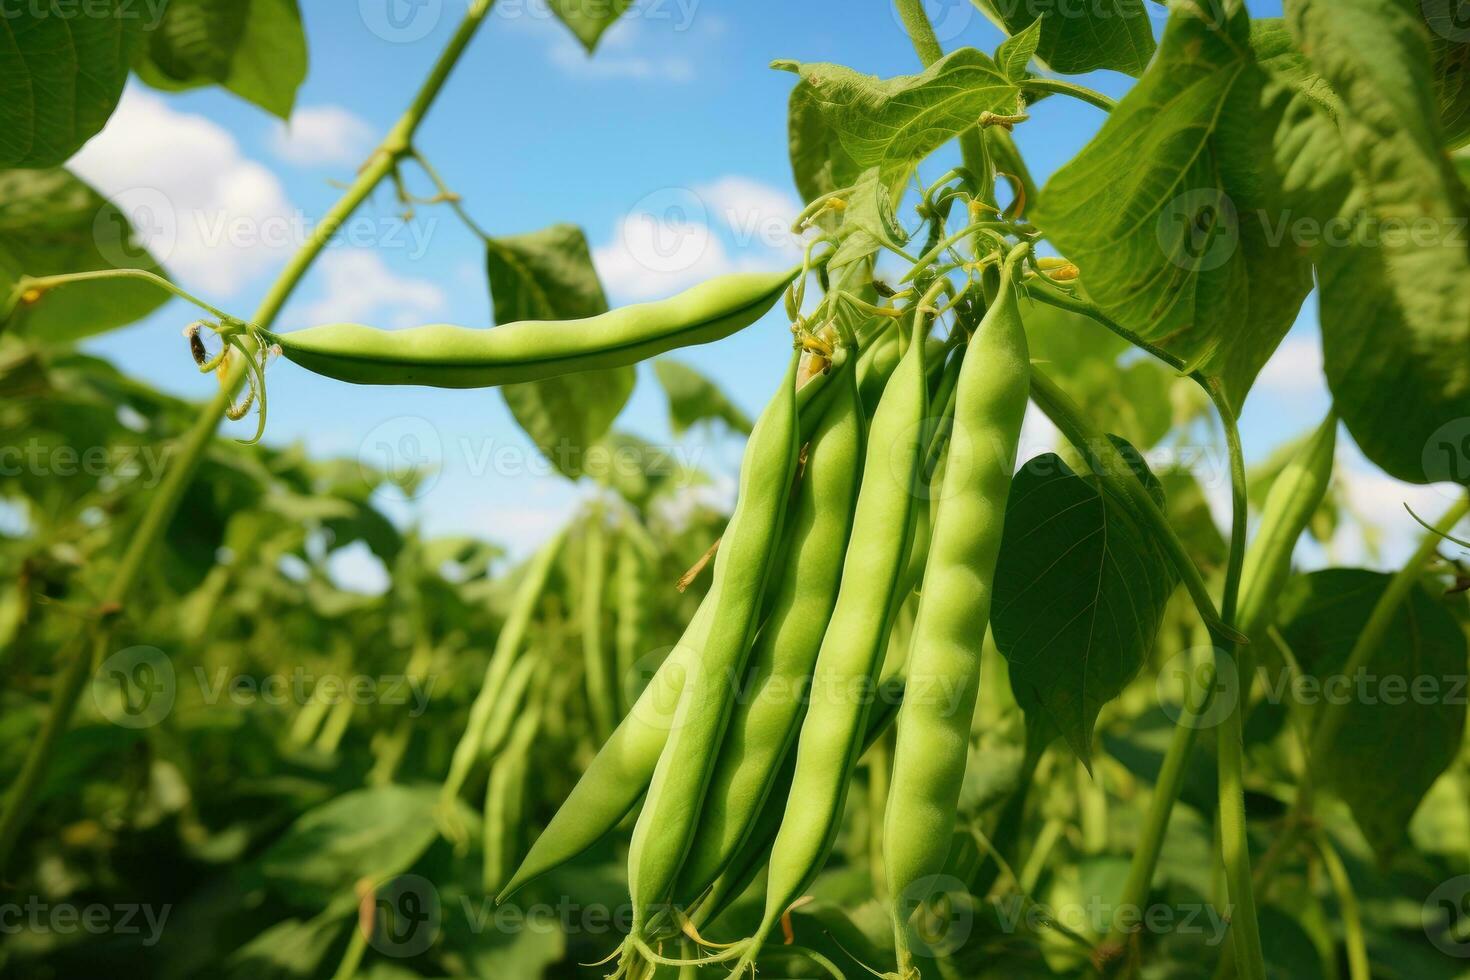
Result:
[
  {"x": 693, "y": 398},
  {"x": 1166, "y": 211},
  {"x": 292, "y": 835},
  {"x": 548, "y": 275},
  {"x": 1406, "y": 722},
  {"x": 254, "y": 48},
  {"x": 1113, "y": 34},
  {"x": 1079, "y": 595},
  {"x": 65, "y": 72}
]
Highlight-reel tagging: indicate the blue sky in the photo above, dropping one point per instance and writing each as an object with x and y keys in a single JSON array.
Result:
[{"x": 678, "y": 113}]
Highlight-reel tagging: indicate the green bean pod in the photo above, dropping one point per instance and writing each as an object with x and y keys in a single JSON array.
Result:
[
  {"x": 875, "y": 365},
  {"x": 507, "y": 651},
  {"x": 666, "y": 823},
  {"x": 1295, "y": 496},
  {"x": 756, "y": 849},
  {"x": 446, "y": 356},
  {"x": 622, "y": 768},
  {"x": 631, "y": 602},
  {"x": 597, "y": 667},
  {"x": 772, "y": 702},
  {"x": 954, "y": 608},
  {"x": 505, "y": 791},
  {"x": 852, "y": 647},
  {"x": 510, "y": 705}
]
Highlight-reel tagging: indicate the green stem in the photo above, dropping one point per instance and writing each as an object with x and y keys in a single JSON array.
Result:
[
  {"x": 87, "y": 650},
  {"x": 973, "y": 150},
  {"x": 352, "y": 956},
  {"x": 1057, "y": 86},
  {"x": 1150, "y": 842},
  {"x": 45, "y": 283},
  {"x": 1234, "y": 831},
  {"x": 1347, "y": 904},
  {"x": 1040, "y": 288}
]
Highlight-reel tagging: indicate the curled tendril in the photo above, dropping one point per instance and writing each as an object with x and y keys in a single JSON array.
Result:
[
  {"x": 1434, "y": 530},
  {"x": 232, "y": 333}
]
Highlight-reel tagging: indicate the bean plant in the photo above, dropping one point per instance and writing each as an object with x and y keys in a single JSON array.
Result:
[{"x": 924, "y": 702}]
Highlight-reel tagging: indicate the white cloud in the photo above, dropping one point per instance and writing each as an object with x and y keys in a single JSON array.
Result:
[
  {"x": 359, "y": 286},
  {"x": 214, "y": 218},
  {"x": 1295, "y": 368},
  {"x": 675, "y": 237},
  {"x": 757, "y": 214},
  {"x": 324, "y": 135},
  {"x": 648, "y": 259}
]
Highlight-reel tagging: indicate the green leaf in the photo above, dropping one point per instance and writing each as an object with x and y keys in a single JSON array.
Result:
[
  {"x": 1395, "y": 313},
  {"x": 291, "y": 948},
  {"x": 818, "y": 163},
  {"x": 589, "y": 21},
  {"x": 543, "y": 275},
  {"x": 65, "y": 67},
  {"x": 1075, "y": 39},
  {"x": 868, "y": 223},
  {"x": 254, "y": 48},
  {"x": 1448, "y": 37},
  {"x": 1015, "y": 52},
  {"x": 51, "y": 223},
  {"x": 1080, "y": 590},
  {"x": 1169, "y": 210},
  {"x": 893, "y": 123},
  {"x": 548, "y": 275},
  {"x": 694, "y": 398},
  {"x": 368, "y": 833},
  {"x": 1406, "y": 711}
]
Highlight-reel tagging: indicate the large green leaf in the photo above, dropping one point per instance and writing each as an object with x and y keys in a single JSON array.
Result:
[
  {"x": 1169, "y": 210},
  {"x": 548, "y": 275},
  {"x": 1406, "y": 710},
  {"x": 1395, "y": 311},
  {"x": 893, "y": 123},
  {"x": 818, "y": 163},
  {"x": 50, "y": 223},
  {"x": 64, "y": 66},
  {"x": 1079, "y": 38},
  {"x": 589, "y": 21},
  {"x": 1080, "y": 590},
  {"x": 368, "y": 833},
  {"x": 254, "y": 48},
  {"x": 1449, "y": 41},
  {"x": 693, "y": 398}
]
